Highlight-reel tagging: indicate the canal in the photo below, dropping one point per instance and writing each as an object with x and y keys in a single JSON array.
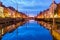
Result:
[{"x": 31, "y": 30}]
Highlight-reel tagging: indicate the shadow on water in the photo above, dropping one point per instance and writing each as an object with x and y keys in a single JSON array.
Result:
[{"x": 29, "y": 31}]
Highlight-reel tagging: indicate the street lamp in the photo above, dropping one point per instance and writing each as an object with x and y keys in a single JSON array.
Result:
[
  {"x": 52, "y": 27},
  {"x": 0, "y": 29},
  {"x": 17, "y": 11},
  {"x": 15, "y": 15},
  {"x": 53, "y": 13}
]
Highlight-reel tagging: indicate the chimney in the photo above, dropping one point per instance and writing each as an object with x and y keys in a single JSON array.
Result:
[{"x": 0, "y": 3}]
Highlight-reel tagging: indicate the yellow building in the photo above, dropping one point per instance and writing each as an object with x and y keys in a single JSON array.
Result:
[
  {"x": 12, "y": 12},
  {"x": 58, "y": 10},
  {"x": 1, "y": 11},
  {"x": 18, "y": 15},
  {"x": 6, "y": 12}
]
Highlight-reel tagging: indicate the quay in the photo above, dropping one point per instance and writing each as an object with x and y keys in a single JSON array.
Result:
[
  {"x": 55, "y": 32},
  {"x": 9, "y": 25}
]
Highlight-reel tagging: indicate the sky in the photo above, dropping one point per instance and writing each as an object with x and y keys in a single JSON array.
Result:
[{"x": 29, "y": 7}]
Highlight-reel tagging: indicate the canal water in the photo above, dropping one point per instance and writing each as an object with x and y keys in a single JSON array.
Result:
[{"x": 29, "y": 31}]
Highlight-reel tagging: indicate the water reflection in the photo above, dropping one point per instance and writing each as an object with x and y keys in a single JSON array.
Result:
[
  {"x": 29, "y": 31},
  {"x": 9, "y": 27}
]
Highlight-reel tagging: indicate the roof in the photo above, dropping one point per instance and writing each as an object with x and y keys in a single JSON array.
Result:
[{"x": 11, "y": 8}]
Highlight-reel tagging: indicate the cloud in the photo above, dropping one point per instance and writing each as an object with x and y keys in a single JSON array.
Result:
[
  {"x": 33, "y": 3},
  {"x": 32, "y": 6},
  {"x": 58, "y": 1}
]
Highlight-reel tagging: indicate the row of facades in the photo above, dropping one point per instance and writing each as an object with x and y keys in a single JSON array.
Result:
[
  {"x": 9, "y": 12},
  {"x": 52, "y": 11}
]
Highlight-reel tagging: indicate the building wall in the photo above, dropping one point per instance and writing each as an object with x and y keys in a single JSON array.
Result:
[
  {"x": 1, "y": 12},
  {"x": 52, "y": 8}
]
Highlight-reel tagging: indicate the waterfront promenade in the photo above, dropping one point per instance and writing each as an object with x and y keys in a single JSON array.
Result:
[
  {"x": 48, "y": 24},
  {"x": 10, "y": 24}
]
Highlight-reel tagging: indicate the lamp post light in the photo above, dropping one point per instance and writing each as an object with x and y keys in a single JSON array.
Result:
[
  {"x": 0, "y": 29},
  {"x": 17, "y": 11},
  {"x": 15, "y": 16},
  {"x": 53, "y": 14},
  {"x": 52, "y": 27}
]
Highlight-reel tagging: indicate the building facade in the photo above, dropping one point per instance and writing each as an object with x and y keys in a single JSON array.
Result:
[{"x": 1, "y": 10}]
